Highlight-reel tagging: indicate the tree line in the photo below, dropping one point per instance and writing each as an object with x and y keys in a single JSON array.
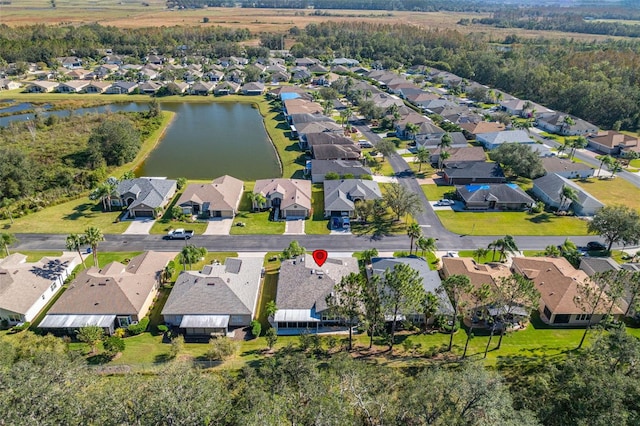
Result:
[{"x": 595, "y": 386}]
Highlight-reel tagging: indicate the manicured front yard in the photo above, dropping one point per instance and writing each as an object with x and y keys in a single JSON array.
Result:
[
  {"x": 437, "y": 192},
  {"x": 612, "y": 191},
  {"x": 317, "y": 224},
  {"x": 511, "y": 223},
  {"x": 256, "y": 223}
]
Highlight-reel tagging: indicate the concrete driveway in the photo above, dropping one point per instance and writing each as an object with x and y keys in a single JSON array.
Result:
[
  {"x": 141, "y": 226},
  {"x": 218, "y": 226},
  {"x": 294, "y": 227}
]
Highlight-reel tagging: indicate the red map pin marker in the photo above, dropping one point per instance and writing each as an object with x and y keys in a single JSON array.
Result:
[{"x": 320, "y": 256}]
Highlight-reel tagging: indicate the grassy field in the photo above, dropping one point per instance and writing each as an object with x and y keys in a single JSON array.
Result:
[
  {"x": 434, "y": 192},
  {"x": 612, "y": 191},
  {"x": 256, "y": 223},
  {"x": 132, "y": 14},
  {"x": 510, "y": 223},
  {"x": 317, "y": 224}
]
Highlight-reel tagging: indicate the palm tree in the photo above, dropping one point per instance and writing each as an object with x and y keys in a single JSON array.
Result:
[
  {"x": 495, "y": 246},
  {"x": 168, "y": 271},
  {"x": 102, "y": 192},
  {"x": 615, "y": 167},
  {"x": 411, "y": 130},
  {"x": 93, "y": 236},
  {"x": 569, "y": 194},
  {"x": 552, "y": 251},
  {"x": 604, "y": 160},
  {"x": 367, "y": 158},
  {"x": 422, "y": 156},
  {"x": 478, "y": 296},
  {"x": 564, "y": 146},
  {"x": 74, "y": 242},
  {"x": 444, "y": 156},
  {"x": 6, "y": 240},
  {"x": 426, "y": 244},
  {"x": 509, "y": 245},
  {"x": 567, "y": 122},
  {"x": 369, "y": 254},
  {"x": 345, "y": 114},
  {"x": 257, "y": 200},
  {"x": 414, "y": 232},
  {"x": 6, "y": 205},
  {"x": 578, "y": 143},
  {"x": 191, "y": 254},
  {"x": 480, "y": 253}
]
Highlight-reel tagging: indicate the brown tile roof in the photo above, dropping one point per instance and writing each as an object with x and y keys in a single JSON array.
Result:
[
  {"x": 295, "y": 191},
  {"x": 612, "y": 139},
  {"x": 482, "y": 127},
  {"x": 300, "y": 106},
  {"x": 114, "y": 289},
  {"x": 557, "y": 281},
  {"x": 222, "y": 194},
  {"x": 478, "y": 274}
]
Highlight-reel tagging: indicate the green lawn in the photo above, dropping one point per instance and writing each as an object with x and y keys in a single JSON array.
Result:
[
  {"x": 435, "y": 192},
  {"x": 256, "y": 223},
  {"x": 510, "y": 223},
  {"x": 317, "y": 224},
  {"x": 612, "y": 191},
  {"x": 426, "y": 171},
  {"x": 71, "y": 217},
  {"x": 212, "y": 256}
]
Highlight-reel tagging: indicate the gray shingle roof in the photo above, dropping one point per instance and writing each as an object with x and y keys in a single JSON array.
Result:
[
  {"x": 341, "y": 167},
  {"x": 228, "y": 289},
  {"x": 338, "y": 152},
  {"x": 300, "y": 287},
  {"x": 430, "y": 279},
  {"x": 502, "y": 193},
  {"x": 339, "y": 194},
  {"x": 150, "y": 192},
  {"x": 474, "y": 169},
  {"x": 552, "y": 184}
]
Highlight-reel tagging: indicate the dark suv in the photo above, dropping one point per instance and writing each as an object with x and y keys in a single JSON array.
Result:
[{"x": 595, "y": 246}]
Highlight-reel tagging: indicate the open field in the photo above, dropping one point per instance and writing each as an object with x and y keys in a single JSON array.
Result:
[
  {"x": 612, "y": 191},
  {"x": 132, "y": 14}
]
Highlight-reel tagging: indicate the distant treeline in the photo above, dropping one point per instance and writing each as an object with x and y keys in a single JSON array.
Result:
[
  {"x": 410, "y": 5},
  {"x": 43, "y": 43},
  {"x": 567, "y": 22}
]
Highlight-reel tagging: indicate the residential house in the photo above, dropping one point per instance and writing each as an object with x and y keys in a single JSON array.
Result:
[
  {"x": 317, "y": 69},
  {"x": 303, "y": 289},
  {"x": 473, "y": 173},
  {"x": 279, "y": 77},
  {"x": 549, "y": 188},
  {"x": 42, "y": 86},
  {"x": 612, "y": 142},
  {"x": 7, "y": 84},
  {"x": 419, "y": 98},
  {"x": 202, "y": 88},
  {"x": 566, "y": 168},
  {"x": 543, "y": 151},
  {"x": 113, "y": 60},
  {"x": 306, "y": 131},
  {"x": 471, "y": 129},
  {"x": 328, "y": 136},
  {"x": 213, "y": 75},
  {"x": 459, "y": 155},
  {"x": 503, "y": 196},
  {"x": 290, "y": 198},
  {"x": 341, "y": 196},
  {"x": 149, "y": 87},
  {"x": 345, "y": 62},
  {"x": 556, "y": 123},
  {"x": 253, "y": 89},
  {"x": 144, "y": 197},
  {"x": 336, "y": 152},
  {"x": 80, "y": 74},
  {"x": 122, "y": 88},
  {"x": 179, "y": 87},
  {"x": 305, "y": 62},
  {"x": 592, "y": 265},
  {"x": 430, "y": 280},
  {"x": 385, "y": 101},
  {"x": 27, "y": 287},
  {"x": 413, "y": 118},
  {"x": 156, "y": 59},
  {"x": 73, "y": 86},
  {"x": 147, "y": 73},
  {"x": 320, "y": 168},
  {"x": 70, "y": 62},
  {"x": 340, "y": 69},
  {"x": 300, "y": 74},
  {"x": 209, "y": 302},
  {"x": 114, "y": 296},
  {"x": 97, "y": 87},
  {"x": 558, "y": 283},
  {"x": 495, "y": 139},
  {"x": 430, "y": 140},
  {"x": 226, "y": 88},
  {"x": 219, "y": 198}
]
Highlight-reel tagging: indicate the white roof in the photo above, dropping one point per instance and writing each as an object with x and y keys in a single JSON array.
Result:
[
  {"x": 205, "y": 321},
  {"x": 294, "y": 315},
  {"x": 76, "y": 321}
]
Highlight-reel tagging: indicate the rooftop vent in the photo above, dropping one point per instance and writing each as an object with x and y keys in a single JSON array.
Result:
[
  {"x": 211, "y": 283},
  {"x": 104, "y": 283}
]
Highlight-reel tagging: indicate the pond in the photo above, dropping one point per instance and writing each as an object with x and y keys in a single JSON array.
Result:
[{"x": 204, "y": 140}]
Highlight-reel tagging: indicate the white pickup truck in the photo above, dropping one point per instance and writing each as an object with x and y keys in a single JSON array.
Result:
[{"x": 179, "y": 234}]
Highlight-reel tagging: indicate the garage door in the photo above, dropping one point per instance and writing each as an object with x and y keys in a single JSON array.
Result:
[
  {"x": 144, "y": 213},
  {"x": 296, "y": 213}
]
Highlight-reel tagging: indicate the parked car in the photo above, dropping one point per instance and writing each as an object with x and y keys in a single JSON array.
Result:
[
  {"x": 363, "y": 143},
  {"x": 451, "y": 254},
  {"x": 179, "y": 234},
  {"x": 445, "y": 202},
  {"x": 596, "y": 246}
]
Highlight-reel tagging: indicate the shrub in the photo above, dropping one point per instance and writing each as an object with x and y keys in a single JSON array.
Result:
[
  {"x": 272, "y": 337},
  {"x": 21, "y": 327},
  {"x": 331, "y": 176},
  {"x": 139, "y": 328},
  {"x": 306, "y": 340},
  {"x": 113, "y": 344},
  {"x": 177, "y": 345},
  {"x": 256, "y": 328},
  {"x": 4, "y": 323},
  {"x": 120, "y": 332},
  {"x": 163, "y": 328},
  {"x": 221, "y": 348}
]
